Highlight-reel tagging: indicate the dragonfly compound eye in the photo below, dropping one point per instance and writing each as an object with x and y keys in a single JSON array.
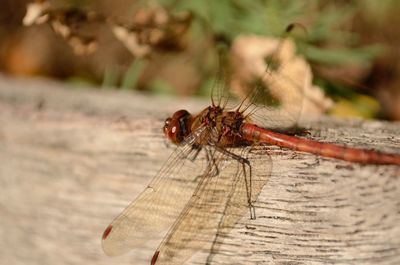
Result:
[{"x": 177, "y": 127}]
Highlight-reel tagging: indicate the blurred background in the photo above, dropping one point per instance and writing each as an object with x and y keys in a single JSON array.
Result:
[{"x": 171, "y": 46}]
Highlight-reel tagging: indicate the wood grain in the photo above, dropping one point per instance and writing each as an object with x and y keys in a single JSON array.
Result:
[{"x": 72, "y": 159}]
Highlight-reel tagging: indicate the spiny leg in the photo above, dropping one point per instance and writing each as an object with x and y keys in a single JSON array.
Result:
[
  {"x": 196, "y": 149},
  {"x": 243, "y": 163},
  {"x": 211, "y": 162},
  {"x": 248, "y": 182},
  {"x": 247, "y": 177},
  {"x": 212, "y": 167}
]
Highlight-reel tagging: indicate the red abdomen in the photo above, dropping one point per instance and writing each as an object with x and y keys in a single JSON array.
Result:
[{"x": 254, "y": 133}]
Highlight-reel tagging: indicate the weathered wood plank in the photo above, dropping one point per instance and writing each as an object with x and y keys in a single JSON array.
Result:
[{"x": 71, "y": 160}]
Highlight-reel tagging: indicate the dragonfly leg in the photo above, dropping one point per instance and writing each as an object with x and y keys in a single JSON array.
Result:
[
  {"x": 248, "y": 182},
  {"x": 196, "y": 149},
  {"x": 243, "y": 164},
  {"x": 212, "y": 168},
  {"x": 212, "y": 164},
  {"x": 247, "y": 177}
]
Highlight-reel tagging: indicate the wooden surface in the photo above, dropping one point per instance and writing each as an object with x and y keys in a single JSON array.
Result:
[{"x": 72, "y": 159}]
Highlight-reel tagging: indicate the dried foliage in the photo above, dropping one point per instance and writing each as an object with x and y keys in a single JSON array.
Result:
[
  {"x": 151, "y": 29},
  {"x": 66, "y": 23},
  {"x": 344, "y": 65}
]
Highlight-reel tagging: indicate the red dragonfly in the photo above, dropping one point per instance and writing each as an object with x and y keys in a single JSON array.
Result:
[{"x": 208, "y": 183}]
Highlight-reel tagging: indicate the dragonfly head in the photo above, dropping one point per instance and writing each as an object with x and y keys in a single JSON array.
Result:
[{"x": 177, "y": 127}]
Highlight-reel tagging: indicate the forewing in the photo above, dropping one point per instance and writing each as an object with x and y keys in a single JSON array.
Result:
[
  {"x": 154, "y": 211},
  {"x": 237, "y": 206},
  {"x": 218, "y": 203}
]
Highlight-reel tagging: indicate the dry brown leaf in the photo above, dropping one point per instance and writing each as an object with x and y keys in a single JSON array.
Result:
[
  {"x": 36, "y": 13},
  {"x": 150, "y": 28},
  {"x": 153, "y": 28}
]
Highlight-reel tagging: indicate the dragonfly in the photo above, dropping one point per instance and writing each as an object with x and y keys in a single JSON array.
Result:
[{"x": 208, "y": 183}]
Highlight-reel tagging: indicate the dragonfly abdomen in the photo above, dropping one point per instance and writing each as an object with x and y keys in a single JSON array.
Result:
[{"x": 254, "y": 133}]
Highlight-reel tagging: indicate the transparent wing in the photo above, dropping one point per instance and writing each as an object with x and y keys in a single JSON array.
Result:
[
  {"x": 154, "y": 211},
  {"x": 218, "y": 203},
  {"x": 220, "y": 94},
  {"x": 275, "y": 82},
  {"x": 276, "y": 98},
  {"x": 237, "y": 206}
]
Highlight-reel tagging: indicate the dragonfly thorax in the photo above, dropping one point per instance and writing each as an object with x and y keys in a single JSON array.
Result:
[{"x": 223, "y": 127}]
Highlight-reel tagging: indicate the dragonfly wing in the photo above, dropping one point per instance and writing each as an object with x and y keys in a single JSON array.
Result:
[
  {"x": 220, "y": 94},
  {"x": 284, "y": 88},
  {"x": 218, "y": 203},
  {"x": 154, "y": 211},
  {"x": 237, "y": 205}
]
